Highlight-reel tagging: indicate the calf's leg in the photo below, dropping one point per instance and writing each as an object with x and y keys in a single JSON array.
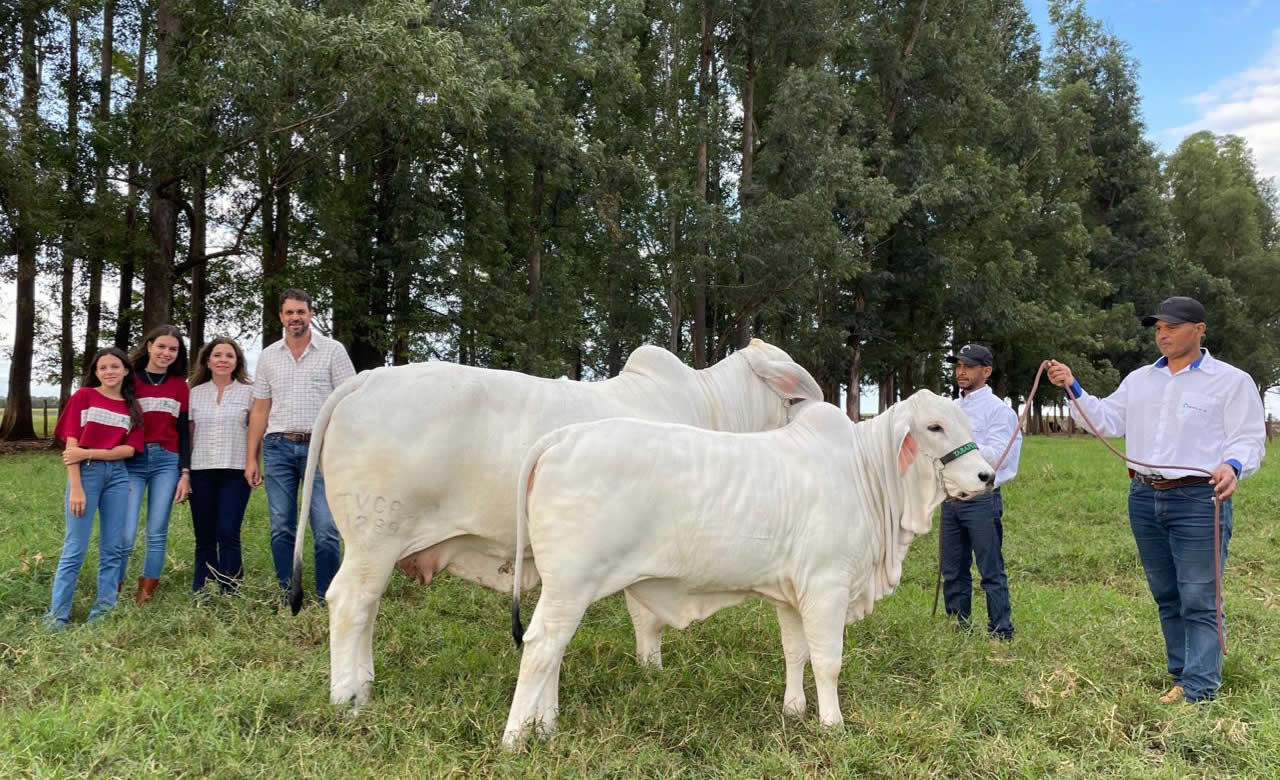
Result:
[
  {"x": 537, "y": 699},
  {"x": 795, "y": 650},
  {"x": 824, "y": 629}
]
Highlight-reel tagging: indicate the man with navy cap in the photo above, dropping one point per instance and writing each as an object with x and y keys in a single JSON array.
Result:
[
  {"x": 972, "y": 530},
  {"x": 1186, "y": 409}
]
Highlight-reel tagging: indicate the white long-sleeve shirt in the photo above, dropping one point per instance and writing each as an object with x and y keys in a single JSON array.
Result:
[
  {"x": 1207, "y": 414},
  {"x": 993, "y": 425}
]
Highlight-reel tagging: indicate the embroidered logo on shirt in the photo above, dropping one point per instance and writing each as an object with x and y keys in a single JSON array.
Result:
[{"x": 1188, "y": 405}]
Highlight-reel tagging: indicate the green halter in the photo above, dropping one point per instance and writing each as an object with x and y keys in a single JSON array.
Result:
[{"x": 957, "y": 452}]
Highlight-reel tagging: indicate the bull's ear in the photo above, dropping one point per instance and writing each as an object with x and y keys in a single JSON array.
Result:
[
  {"x": 786, "y": 378},
  {"x": 907, "y": 453}
]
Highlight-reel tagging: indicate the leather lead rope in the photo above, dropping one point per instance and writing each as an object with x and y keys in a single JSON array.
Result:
[{"x": 1217, "y": 505}]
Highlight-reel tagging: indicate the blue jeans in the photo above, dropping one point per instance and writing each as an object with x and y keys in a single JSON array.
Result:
[
  {"x": 154, "y": 470},
  {"x": 106, "y": 493},
  {"x": 1174, "y": 532},
  {"x": 285, "y": 465},
  {"x": 218, "y": 500},
  {"x": 972, "y": 531}
]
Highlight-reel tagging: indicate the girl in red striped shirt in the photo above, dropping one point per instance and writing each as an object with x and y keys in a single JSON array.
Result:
[
  {"x": 102, "y": 425},
  {"x": 161, "y": 468}
]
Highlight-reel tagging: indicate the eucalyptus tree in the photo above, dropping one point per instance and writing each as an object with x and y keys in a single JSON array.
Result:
[
  {"x": 1114, "y": 170},
  {"x": 26, "y": 204},
  {"x": 1225, "y": 220}
]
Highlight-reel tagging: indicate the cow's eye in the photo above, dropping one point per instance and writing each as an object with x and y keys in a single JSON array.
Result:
[{"x": 935, "y": 428}]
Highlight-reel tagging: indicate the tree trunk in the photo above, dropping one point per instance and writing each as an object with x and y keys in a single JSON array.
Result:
[
  {"x": 675, "y": 317},
  {"x": 124, "y": 311},
  {"x": 699, "y": 334},
  {"x": 742, "y": 332},
  {"x": 887, "y": 392},
  {"x": 275, "y": 246},
  {"x": 70, "y": 245},
  {"x": 907, "y": 379},
  {"x": 196, "y": 253},
  {"x": 534, "y": 257},
  {"x": 854, "y": 408},
  {"x": 853, "y": 401},
  {"x": 157, "y": 294},
  {"x": 101, "y": 155},
  {"x": 17, "y": 423}
]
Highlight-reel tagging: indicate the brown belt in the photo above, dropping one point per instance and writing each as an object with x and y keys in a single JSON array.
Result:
[
  {"x": 1169, "y": 484},
  {"x": 299, "y": 437}
]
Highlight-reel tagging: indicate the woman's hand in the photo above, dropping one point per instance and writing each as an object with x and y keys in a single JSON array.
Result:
[
  {"x": 73, "y": 455},
  {"x": 183, "y": 490},
  {"x": 75, "y": 501}
]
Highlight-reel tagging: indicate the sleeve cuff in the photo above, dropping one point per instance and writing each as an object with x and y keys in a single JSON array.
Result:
[
  {"x": 1076, "y": 390},
  {"x": 1235, "y": 464}
]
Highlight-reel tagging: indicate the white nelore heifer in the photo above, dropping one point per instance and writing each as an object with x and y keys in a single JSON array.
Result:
[
  {"x": 419, "y": 461},
  {"x": 815, "y": 517}
]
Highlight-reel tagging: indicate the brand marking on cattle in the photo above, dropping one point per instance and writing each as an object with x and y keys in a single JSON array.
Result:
[{"x": 370, "y": 512}]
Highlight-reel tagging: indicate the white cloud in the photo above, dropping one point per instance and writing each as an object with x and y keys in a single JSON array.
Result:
[{"x": 1246, "y": 104}]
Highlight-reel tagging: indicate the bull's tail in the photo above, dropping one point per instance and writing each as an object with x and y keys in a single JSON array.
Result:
[
  {"x": 523, "y": 487},
  {"x": 308, "y": 483}
]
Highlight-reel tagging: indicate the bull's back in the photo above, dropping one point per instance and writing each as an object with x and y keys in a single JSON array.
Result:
[{"x": 431, "y": 451}]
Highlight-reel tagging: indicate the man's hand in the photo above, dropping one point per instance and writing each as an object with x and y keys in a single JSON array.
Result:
[
  {"x": 1060, "y": 374},
  {"x": 1223, "y": 481}
]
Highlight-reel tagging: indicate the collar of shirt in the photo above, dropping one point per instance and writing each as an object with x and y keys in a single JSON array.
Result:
[
  {"x": 1204, "y": 363},
  {"x": 313, "y": 344},
  {"x": 975, "y": 395}
]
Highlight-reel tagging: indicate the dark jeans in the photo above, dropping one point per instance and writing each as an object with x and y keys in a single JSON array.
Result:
[
  {"x": 218, "y": 500},
  {"x": 972, "y": 531},
  {"x": 1174, "y": 532},
  {"x": 285, "y": 465}
]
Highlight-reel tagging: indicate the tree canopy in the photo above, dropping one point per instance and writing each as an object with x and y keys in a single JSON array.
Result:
[{"x": 546, "y": 185}]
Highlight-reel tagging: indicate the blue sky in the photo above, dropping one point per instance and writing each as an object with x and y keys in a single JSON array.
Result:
[{"x": 1203, "y": 65}]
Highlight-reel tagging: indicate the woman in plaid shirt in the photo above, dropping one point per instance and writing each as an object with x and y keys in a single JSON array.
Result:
[{"x": 221, "y": 394}]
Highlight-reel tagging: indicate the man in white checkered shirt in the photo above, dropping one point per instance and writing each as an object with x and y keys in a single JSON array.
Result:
[{"x": 294, "y": 376}]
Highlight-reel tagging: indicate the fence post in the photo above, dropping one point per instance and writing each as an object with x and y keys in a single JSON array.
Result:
[{"x": 46, "y": 418}]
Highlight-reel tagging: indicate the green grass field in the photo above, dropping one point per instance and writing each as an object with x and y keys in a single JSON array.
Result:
[
  {"x": 39, "y": 415},
  {"x": 238, "y": 688}
]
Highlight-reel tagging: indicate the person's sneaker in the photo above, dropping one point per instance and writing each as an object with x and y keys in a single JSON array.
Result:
[
  {"x": 50, "y": 624},
  {"x": 1174, "y": 695}
]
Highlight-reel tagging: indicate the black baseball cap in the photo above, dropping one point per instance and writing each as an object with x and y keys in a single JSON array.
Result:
[
  {"x": 1176, "y": 310},
  {"x": 972, "y": 354}
]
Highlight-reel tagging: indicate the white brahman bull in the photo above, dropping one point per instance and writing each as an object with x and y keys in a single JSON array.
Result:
[
  {"x": 419, "y": 461},
  {"x": 815, "y": 518}
]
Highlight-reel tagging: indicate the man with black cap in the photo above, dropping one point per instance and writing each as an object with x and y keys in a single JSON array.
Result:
[
  {"x": 972, "y": 530},
  {"x": 1186, "y": 409}
]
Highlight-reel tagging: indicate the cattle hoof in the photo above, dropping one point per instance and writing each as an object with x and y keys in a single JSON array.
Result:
[{"x": 794, "y": 710}]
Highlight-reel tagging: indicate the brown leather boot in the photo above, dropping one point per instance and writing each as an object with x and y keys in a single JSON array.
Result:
[{"x": 146, "y": 589}]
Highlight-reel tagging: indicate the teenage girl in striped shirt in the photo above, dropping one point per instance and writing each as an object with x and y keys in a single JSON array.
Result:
[
  {"x": 161, "y": 468},
  {"x": 102, "y": 425}
]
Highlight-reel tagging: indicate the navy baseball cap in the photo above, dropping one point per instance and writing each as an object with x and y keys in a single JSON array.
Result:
[
  {"x": 972, "y": 354},
  {"x": 1177, "y": 309}
]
